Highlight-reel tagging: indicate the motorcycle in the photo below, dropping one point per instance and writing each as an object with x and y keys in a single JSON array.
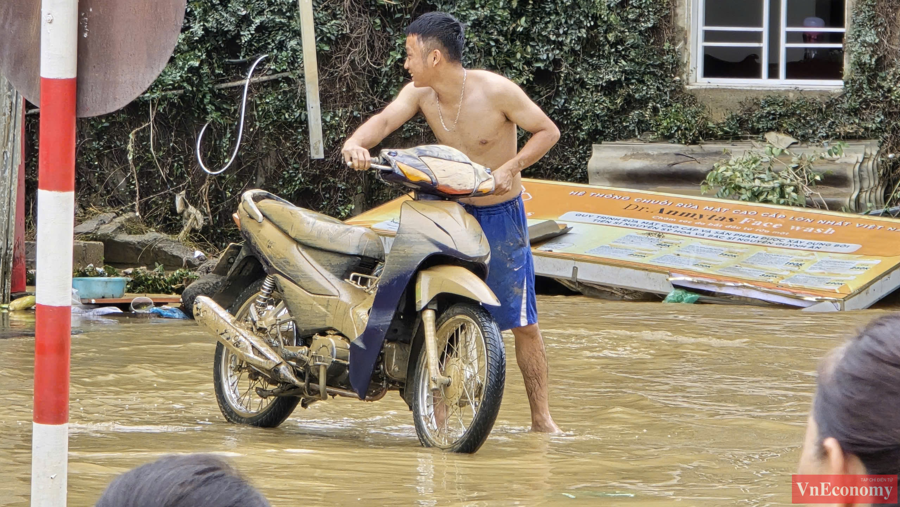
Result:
[{"x": 312, "y": 307}]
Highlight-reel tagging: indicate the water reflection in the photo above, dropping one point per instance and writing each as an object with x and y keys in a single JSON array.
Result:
[{"x": 661, "y": 403}]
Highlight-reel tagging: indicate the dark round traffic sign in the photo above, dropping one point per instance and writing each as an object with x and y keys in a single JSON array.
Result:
[{"x": 123, "y": 45}]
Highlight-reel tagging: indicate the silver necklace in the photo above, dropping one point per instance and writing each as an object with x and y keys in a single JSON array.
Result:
[{"x": 459, "y": 110}]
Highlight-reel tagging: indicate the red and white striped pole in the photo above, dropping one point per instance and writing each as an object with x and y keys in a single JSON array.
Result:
[{"x": 56, "y": 216}]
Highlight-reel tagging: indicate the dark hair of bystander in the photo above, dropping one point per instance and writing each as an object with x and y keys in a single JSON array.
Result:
[
  {"x": 196, "y": 480},
  {"x": 858, "y": 397}
]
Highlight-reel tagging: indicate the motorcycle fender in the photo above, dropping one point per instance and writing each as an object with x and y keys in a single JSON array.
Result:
[
  {"x": 227, "y": 259},
  {"x": 245, "y": 269},
  {"x": 452, "y": 280}
]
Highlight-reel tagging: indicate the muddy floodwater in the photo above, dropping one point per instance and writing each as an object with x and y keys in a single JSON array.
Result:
[{"x": 697, "y": 404}]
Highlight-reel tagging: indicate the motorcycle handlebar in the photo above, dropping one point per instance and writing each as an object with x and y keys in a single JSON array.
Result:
[{"x": 375, "y": 165}]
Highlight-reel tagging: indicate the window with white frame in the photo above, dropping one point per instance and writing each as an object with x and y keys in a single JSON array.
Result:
[{"x": 770, "y": 42}]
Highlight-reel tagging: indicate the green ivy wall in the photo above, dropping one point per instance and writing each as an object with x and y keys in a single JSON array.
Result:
[{"x": 602, "y": 69}]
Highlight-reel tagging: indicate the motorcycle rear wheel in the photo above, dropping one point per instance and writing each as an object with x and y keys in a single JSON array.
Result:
[
  {"x": 235, "y": 381},
  {"x": 459, "y": 417}
]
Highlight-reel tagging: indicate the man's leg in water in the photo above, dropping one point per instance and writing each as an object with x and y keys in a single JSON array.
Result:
[
  {"x": 532, "y": 360},
  {"x": 511, "y": 277}
]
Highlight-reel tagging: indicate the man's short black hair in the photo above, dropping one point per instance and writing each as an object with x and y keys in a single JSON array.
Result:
[{"x": 439, "y": 30}]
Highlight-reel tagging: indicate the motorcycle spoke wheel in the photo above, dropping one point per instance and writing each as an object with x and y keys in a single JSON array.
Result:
[
  {"x": 241, "y": 382},
  {"x": 236, "y": 382},
  {"x": 459, "y": 416},
  {"x": 452, "y": 408}
]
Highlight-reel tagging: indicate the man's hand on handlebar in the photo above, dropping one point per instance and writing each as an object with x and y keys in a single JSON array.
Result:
[
  {"x": 356, "y": 156},
  {"x": 502, "y": 181}
]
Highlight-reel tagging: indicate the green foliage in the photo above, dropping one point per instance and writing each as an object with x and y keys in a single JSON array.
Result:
[
  {"x": 91, "y": 271},
  {"x": 156, "y": 281},
  {"x": 774, "y": 175},
  {"x": 143, "y": 280},
  {"x": 602, "y": 69}
]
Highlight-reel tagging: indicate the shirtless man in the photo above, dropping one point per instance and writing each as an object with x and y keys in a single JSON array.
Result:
[{"x": 477, "y": 112}]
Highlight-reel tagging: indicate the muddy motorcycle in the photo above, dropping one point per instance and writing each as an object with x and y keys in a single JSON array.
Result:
[{"x": 312, "y": 307}]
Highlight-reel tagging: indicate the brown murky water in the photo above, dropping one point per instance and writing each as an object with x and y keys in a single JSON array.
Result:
[{"x": 702, "y": 404}]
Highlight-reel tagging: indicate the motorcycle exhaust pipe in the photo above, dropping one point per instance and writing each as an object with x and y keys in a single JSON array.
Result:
[{"x": 248, "y": 347}]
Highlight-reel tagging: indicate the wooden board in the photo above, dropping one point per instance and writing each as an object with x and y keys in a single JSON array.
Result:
[{"x": 157, "y": 299}]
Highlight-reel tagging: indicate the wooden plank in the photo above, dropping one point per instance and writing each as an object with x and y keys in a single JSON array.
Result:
[
  {"x": 10, "y": 185},
  {"x": 157, "y": 300},
  {"x": 10, "y": 157},
  {"x": 7, "y": 156},
  {"x": 311, "y": 77}
]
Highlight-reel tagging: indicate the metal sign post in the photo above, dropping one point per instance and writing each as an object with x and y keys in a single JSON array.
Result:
[
  {"x": 311, "y": 77},
  {"x": 56, "y": 216}
]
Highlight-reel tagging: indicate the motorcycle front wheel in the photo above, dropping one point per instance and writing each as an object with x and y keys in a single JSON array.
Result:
[
  {"x": 235, "y": 381},
  {"x": 459, "y": 417}
]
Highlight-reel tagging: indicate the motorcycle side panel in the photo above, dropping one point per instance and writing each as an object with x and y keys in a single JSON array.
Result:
[
  {"x": 282, "y": 254},
  {"x": 427, "y": 228},
  {"x": 310, "y": 280},
  {"x": 348, "y": 314}
]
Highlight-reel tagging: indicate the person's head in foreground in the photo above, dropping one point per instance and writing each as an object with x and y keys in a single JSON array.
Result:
[
  {"x": 434, "y": 41},
  {"x": 854, "y": 427},
  {"x": 196, "y": 480}
]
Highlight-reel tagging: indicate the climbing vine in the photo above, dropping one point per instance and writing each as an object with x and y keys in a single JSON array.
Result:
[{"x": 602, "y": 69}]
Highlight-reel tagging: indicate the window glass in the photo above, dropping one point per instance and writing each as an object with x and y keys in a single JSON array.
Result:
[
  {"x": 719, "y": 62},
  {"x": 738, "y": 44},
  {"x": 734, "y": 13},
  {"x": 774, "y": 39},
  {"x": 821, "y": 13},
  {"x": 822, "y": 64},
  {"x": 812, "y": 37}
]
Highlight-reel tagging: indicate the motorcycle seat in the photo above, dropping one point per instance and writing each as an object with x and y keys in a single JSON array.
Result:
[{"x": 320, "y": 231}]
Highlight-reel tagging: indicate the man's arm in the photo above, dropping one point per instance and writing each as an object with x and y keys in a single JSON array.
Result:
[
  {"x": 522, "y": 111},
  {"x": 372, "y": 132}
]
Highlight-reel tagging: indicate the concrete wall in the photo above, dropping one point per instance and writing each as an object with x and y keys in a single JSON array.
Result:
[
  {"x": 852, "y": 182},
  {"x": 83, "y": 253}
]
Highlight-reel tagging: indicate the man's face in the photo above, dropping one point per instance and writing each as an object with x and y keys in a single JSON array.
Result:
[{"x": 417, "y": 61}]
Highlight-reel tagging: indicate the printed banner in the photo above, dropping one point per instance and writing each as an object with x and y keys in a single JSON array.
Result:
[{"x": 798, "y": 251}]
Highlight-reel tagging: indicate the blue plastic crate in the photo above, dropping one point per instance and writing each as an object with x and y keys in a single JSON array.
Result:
[{"x": 99, "y": 287}]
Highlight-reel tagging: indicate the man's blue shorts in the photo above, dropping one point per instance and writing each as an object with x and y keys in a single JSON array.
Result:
[{"x": 511, "y": 271}]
